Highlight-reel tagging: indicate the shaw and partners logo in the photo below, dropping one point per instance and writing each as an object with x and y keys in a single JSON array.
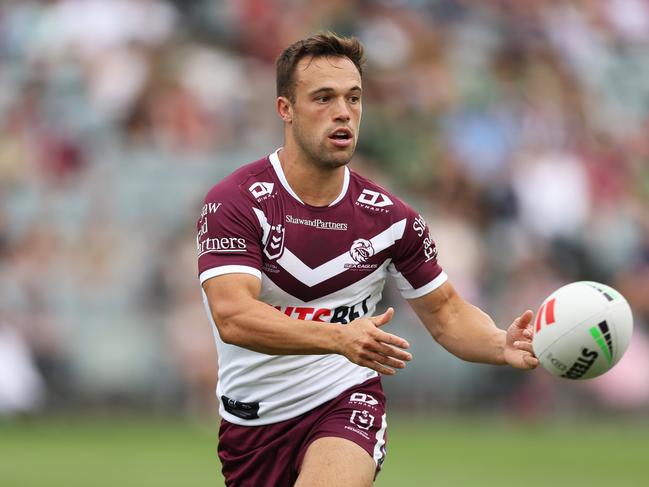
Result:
[
  {"x": 206, "y": 243},
  {"x": 203, "y": 228},
  {"x": 373, "y": 200},
  {"x": 220, "y": 245},
  {"x": 317, "y": 223}
]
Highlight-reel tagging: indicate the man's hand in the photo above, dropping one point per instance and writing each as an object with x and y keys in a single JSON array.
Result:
[
  {"x": 518, "y": 343},
  {"x": 365, "y": 344}
]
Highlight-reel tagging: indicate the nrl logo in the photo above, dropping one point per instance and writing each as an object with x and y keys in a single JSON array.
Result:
[
  {"x": 275, "y": 243},
  {"x": 361, "y": 250}
]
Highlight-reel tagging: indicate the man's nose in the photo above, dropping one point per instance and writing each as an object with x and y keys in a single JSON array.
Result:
[{"x": 341, "y": 111}]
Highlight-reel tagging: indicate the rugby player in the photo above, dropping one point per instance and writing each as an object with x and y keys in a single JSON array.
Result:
[{"x": 294, "y": 250}]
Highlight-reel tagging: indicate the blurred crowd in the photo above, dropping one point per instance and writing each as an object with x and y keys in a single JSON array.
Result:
[{"x": 519, "y": 129}]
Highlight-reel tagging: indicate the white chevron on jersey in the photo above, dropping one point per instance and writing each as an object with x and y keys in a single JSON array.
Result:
[
  {"x": 263, "y": 222},
  {"x": 382, "y": 236},
  {"x": 372, "y": 284},
  {"x": 311, "y": 277}
]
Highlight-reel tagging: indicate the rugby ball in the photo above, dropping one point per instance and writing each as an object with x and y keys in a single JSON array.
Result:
[{"x": 582, "y": 330}]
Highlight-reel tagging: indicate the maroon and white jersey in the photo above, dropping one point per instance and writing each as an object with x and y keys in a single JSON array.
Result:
[{"x": 326, "y": 264}]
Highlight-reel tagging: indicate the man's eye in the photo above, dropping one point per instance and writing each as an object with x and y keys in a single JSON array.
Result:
[
  {"x": 354, "y": 99},
  {"x": 322, "y": 99}
]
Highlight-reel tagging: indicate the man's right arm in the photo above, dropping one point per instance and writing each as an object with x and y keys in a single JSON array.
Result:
[{"x": 245, "y": 321}]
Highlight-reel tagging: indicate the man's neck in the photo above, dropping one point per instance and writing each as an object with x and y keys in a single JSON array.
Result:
[{"x": 315, "y": 186}]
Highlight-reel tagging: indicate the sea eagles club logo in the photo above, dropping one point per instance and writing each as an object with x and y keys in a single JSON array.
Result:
[{"x": 361, "y": 250}]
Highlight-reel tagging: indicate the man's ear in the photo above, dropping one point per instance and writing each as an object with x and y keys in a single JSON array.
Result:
[{"x": 285, "y": 109}]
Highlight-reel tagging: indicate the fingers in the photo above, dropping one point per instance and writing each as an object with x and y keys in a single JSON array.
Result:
[
  {"x": 525, "y": 346},
  {"x": 382, "y": 357},
  {"x": 382, "y": 319},
  {"x": 390, "y": 351},
  {"x": 531, "y": 361},
  {"x": 521, "y": 359},
  {"x": 382, "y": 364},
  {"x": 390, "y": 339},
  {"x": 374, "y": 348},
  {"x": 381, "y": 369},
  {"x": 521, "y": 335},
  {"x": 524, "y": 320}
]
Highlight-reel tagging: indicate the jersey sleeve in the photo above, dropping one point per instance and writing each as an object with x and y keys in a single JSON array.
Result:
[
  {"x": 415, "y": 267},
  {"x": 228, "y": 236}
]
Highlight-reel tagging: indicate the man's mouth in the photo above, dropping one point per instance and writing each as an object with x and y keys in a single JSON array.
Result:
[{"x": 341, "y": 137}]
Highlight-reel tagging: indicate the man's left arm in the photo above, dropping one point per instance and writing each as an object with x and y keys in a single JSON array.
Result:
[{"x": 470, "y": 334}]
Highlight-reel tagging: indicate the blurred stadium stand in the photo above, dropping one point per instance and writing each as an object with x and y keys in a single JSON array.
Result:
[{"x": 519, "y": 129}]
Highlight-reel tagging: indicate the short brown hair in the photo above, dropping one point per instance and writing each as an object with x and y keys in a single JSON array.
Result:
[{"x": 319, "y": 45}]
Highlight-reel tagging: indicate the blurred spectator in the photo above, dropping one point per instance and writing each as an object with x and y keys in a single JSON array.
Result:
[
  {"x": 21, "y": 387},
  {"x": 520, "y": 129}
]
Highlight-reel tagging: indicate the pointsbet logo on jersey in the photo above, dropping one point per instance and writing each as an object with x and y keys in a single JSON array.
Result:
[{"x": 339, "y": 314}]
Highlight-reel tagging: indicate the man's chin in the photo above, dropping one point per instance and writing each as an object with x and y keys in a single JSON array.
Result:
[
  {"x": 339, "y": 157},
  {"x": 334, "y": 163}
]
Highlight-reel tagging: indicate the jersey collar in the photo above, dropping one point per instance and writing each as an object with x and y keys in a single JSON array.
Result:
[{"x": 277, "y": 166}]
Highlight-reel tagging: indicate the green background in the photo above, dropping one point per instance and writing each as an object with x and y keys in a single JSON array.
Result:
[{"x": 139, "y": 451}]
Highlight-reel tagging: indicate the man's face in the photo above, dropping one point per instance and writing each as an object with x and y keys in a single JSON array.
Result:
[{"x": 327, "y": 110}]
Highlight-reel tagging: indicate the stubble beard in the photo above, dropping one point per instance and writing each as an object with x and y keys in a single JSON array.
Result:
[{"x": 316, "y": 151}]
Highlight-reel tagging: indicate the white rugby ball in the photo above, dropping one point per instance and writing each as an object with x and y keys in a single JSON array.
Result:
[{"x": 582, "y": 330}]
